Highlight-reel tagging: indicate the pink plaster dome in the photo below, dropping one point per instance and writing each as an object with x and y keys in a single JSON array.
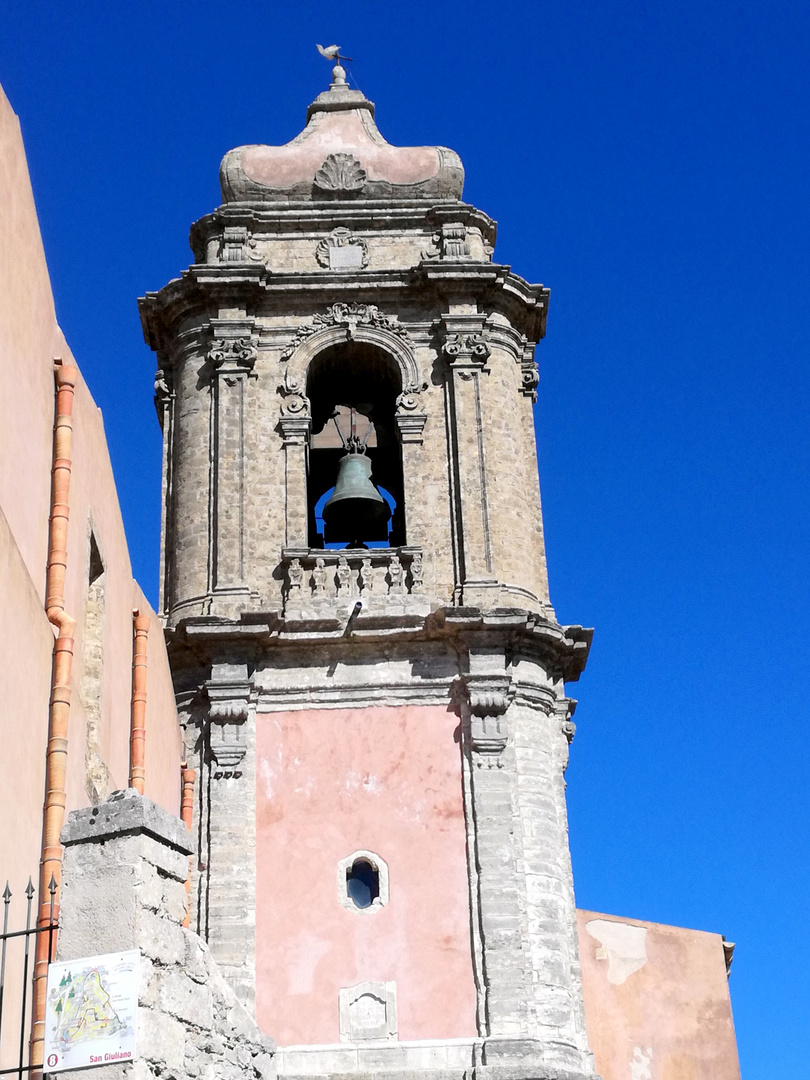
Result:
[{"x": 340, "y": 155}]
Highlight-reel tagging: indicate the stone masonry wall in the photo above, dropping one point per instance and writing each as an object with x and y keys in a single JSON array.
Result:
[{"x": 125, "y": 868}]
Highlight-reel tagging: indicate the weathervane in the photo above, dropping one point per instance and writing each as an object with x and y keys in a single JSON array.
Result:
[{"x": 332, "y": 52}]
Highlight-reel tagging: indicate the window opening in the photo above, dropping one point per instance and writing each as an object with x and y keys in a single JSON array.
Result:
[
  {"x": 353, "y": 389},
  {"x": 362, "y": 883}
]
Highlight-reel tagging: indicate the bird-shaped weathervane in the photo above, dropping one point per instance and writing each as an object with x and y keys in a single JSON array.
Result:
[{"x": 332, "y": 52}]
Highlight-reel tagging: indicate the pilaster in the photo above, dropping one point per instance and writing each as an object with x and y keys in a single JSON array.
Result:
[
  {"x": 466, "y": 351},
  {"x": 294, "y": 425},
  {"x": 530, "y": 995},
  {"x": 232, "y": 357},
  {"x": 229, "y": 859}
]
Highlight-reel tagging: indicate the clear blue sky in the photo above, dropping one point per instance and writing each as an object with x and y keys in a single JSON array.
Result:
[{"x": 648, "y": 162}]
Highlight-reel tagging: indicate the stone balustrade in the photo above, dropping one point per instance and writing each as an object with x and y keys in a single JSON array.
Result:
[
  {"x": 352, "y": 572},
  {"x": 325, "y": 583}
]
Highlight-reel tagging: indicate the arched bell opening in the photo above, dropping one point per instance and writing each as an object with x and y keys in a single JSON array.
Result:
[{"x": 354, "y": 448}]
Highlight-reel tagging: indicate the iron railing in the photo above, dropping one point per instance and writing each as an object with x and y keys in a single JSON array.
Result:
[{"x": 16, "y": 1005}]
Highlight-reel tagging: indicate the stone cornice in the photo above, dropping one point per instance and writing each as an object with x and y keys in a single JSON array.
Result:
[
  {"x": 373, "y": 216},
  {"x": 204, "y": 288},
  {"x": 563, "y": 649}
]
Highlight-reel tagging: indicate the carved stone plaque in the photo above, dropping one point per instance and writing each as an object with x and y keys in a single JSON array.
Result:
[
  {"x": 368, "y": 1011},
  {"x": 342, "y": 251}
]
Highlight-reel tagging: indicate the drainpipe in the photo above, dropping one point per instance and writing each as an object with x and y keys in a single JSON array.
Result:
[
  {"x": 187, "y": 814},
  {"x": 137, "y": 732},
  {"x": 56, "y": 759}
]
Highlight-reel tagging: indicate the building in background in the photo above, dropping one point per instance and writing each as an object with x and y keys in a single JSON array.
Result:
[
  {"x": 368, "y": 671},
  {"x": 80, "y": 572}
]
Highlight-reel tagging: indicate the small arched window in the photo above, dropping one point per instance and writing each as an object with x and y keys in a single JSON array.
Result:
[{"x": 362, "y": 883}]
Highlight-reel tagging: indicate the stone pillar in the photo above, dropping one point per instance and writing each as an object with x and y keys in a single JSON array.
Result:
[
  {"x": 530, "y": 992},
  {"x": 232, "y": 358},
  {"x": 295, "y": 429},
  {"x": 467, "y": 352},
  {"x": 411, "y": 425},
  {"x": 164, "y": 403},
  {"x": 505, "y": 967},
  {"x": 539, "y": 725},
  {"x": 124, "y": 874},
  {"x": 230, "y": 843}
]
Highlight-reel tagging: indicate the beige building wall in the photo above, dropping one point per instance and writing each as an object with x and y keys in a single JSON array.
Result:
[
  {"x": 657, "y": 1004},
  {"x": 98, "y": 735}
]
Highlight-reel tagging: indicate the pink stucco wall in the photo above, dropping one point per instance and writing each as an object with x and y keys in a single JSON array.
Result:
[
  {"x": 29, "y": 340},
  {"x": 657, "y": 1004},
  {"x": 333, "y": 781}
]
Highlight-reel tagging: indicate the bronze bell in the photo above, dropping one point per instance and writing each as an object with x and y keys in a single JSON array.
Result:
[{"x": 356, "y": 511}]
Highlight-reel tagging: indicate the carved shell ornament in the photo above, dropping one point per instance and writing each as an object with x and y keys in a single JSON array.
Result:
[{"x": 340, "y": 172}]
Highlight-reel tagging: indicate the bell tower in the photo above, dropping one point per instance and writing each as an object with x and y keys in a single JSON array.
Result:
[{"x": 367, "y": 663}]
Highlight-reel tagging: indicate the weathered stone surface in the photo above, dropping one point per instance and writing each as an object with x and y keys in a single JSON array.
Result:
[
  {"x": 116, "y": 897},
  {"x": 124, "y": 813}
]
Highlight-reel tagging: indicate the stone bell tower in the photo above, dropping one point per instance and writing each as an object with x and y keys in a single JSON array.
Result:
[{"x": 379, "y": 730}]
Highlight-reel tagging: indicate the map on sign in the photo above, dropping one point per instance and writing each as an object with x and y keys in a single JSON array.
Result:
[{"x": 92, "y": 1004}]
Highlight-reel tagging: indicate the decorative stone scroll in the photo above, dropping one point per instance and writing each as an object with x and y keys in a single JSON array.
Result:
[
  {"x": 342, "y": 250},
  {"x": 529, "y": 373},
  {"x": 164, "y": 392},
  {"x": 340, "y": 173},
  {"x": 237, "y": 245},
  {"x": 463, "y": 349},
  {"x": 237, "y": 354},
  {"x": 295, "y": 402},
  {"x": 229, "y": 697},
  {"x": 489, "y": 697},
  {"x": 410, "y": 422},
  {"x": 451, "y": 243},
  {"x": 349, "y": 315}
]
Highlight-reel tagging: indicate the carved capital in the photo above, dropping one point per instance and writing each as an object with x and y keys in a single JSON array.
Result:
[
  {"x": 466, "y": 349},
  {"x": 228, "y": 710},
  {"x": 233, "y": 355},
  {"x": 294, "y": 428},
  {"x": 488, "y": 697},
  {"x": 236, "y": 244},
  {"x": 410, "y": 426},
  {"x": 451, "y": 242}
]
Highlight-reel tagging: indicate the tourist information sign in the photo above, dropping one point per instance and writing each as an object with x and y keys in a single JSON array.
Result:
[{"x": 91, "y": 1010}]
